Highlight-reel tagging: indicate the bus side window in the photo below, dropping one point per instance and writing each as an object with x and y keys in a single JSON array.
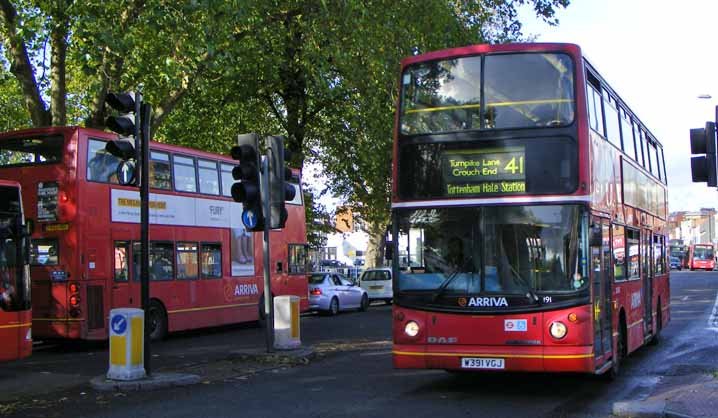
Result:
[
  {"x": 187, "y": 260},
  {"x": 161, "y": 264},
  {"x": 211, "y": 258},
  {"x": 208, "y": 177},
  {"x": 122, "y": 270},
  {"x": 160, "y": 173},
  {"x": 101, "y": 165},
  {"x": 618, "y": 245},
  {"x": 185, "y": 174}
]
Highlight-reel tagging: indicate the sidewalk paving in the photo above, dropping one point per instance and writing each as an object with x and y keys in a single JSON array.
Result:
[{"x": 694, "y": 395}]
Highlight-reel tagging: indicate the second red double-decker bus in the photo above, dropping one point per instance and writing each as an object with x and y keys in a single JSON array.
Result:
[
  {"x": 530, "y": 203},
  {"x": 701, "y": 256},
  {"x": 15, "y": 307},
  {"x": 205, "y": 268}
]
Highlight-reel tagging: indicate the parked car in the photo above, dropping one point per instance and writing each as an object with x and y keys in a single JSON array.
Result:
[
  {"x": 331, "y": 292},
  {"x": 676, "y": 263},
  {"x": 377, "y": 282}
]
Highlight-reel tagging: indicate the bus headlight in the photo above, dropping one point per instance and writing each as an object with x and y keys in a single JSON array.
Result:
[
  {"x": 558, "y": 330},
  {"x": 411, "y": 329}
]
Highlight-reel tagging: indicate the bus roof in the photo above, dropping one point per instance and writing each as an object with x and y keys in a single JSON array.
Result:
[
  {"x": 157, "y": 146},
  {"x": 490, "y": 48}
]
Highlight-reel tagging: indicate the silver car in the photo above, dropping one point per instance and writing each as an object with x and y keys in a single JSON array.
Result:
[{"x": 333, "y": 292}]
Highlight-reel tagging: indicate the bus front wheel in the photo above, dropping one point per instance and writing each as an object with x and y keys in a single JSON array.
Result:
[{"x": 157, "y": 321}]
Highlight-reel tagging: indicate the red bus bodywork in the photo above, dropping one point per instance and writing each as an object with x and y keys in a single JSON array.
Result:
[
  {"x": 632, "y": 310},
  {"x": 15, "y": 324},
  {"x": 96, "y": 223},
  {"x": 701, "y": 256}
]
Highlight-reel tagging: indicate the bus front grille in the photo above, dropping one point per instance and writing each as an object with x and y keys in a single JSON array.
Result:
[{"x": 95, "y": 308}]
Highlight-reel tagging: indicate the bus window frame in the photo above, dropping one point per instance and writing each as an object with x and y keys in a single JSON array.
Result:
[
  {"x": 87, "y": 159},
  {"x": 177, "y": 264},
  {"x": 57, "y": 247},
  {"x": 303, "y": 266},
  {"x": 196, "y": 173},
  {"x": 202, "y": 276},
  {"x": 639, "y": 243},
  {"x": 169, "y": 162},
  {"x": 217, "y": 173},
  {"x": 128, "y": 258}
]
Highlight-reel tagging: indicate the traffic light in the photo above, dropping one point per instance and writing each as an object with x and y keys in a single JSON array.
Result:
[
  {"x": 247, "y": 189},
  {"x": 279, "y": 190},
  {"x": 127, "y": 124},
  {"x": 703, "y": 167}
]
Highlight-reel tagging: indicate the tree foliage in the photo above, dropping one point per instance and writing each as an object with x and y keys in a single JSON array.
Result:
[{"x": 323, "y": 73}]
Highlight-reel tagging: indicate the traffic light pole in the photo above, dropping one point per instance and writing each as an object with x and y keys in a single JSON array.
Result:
[
  {"x": 146, "y": 114},
  {"x": 268, "y": 302}
]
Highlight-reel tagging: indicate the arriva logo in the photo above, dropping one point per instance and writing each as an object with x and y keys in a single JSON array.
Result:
[
  {"x": 486, "y": 302},
  {"x": 246, "y": 289}
]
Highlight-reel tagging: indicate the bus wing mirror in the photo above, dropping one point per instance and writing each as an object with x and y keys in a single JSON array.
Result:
[{"x": 389, "y": 251}]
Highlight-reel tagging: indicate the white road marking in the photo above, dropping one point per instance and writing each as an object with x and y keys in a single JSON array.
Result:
[{"x": 713, "y": 318}]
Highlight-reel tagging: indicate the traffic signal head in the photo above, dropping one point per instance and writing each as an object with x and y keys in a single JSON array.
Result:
[
  {"x": 127, "y": 121},
  {"x": 280, "y": 190},
  {"x": 247, "y": 189},
  {"x": 121, "y": 148},
  {"x": 703, "y": 167}
]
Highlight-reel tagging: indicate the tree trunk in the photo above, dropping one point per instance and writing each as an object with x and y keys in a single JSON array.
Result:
[
  {"x": 58, "y": 86},
  {"x": 21, "y": 67},
  {"x": 375, "y": 248}
]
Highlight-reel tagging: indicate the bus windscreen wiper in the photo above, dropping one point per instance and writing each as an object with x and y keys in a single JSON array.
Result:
[{"x": 454, "y": 274}]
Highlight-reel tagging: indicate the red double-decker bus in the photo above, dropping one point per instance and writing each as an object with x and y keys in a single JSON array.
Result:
[
  {"x": 701, "y": 256},
  {"x": 15, "y": 308},
  {"x": 205, "y": 268},
  {"x": 530, "y": 203}
]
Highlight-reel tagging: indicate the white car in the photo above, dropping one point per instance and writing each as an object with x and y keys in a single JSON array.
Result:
[
  {"x": 377, "y": 282},
  {"x": 333, "y": 292}
]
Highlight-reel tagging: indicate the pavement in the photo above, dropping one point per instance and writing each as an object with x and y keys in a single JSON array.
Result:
[{"x": 694, "y": 395}]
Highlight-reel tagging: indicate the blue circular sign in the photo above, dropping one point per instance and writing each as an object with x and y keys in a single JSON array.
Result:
[
  {"x": 118, "y": 323},
  {"x": 126, "y": 172},
  {"x": 249, "y": 219}
]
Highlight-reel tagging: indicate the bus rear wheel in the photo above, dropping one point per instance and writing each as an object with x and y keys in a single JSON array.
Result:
[{"x": 157, "y": 321}]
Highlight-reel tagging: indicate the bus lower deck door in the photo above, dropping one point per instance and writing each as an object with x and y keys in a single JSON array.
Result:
[
  {"x": 647, "y": 279},
  {"x": 121, "y": 293},
  {"x": 601, "y": 288}
]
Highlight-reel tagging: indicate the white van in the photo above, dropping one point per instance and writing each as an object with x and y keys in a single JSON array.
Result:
[{"x": 377, "y": 283}]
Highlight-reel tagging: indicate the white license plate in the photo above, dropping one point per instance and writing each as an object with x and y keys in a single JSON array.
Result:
[{"x": 482, "y": 363}]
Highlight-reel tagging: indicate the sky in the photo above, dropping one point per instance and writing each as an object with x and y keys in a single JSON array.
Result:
[{"x": 659, "y": 57}]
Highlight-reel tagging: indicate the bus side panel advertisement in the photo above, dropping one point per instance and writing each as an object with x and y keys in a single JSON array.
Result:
[{"x": 191, "y": 211}]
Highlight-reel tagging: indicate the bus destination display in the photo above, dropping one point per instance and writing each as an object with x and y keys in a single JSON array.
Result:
[{"x": 482, "y": 172}]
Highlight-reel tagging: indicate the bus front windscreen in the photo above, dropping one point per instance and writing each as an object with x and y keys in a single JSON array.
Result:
[
  {"x": 526, "y": 252},
  {"x": 703, "y": 253},
  {"x": 522, "y": 90}
]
